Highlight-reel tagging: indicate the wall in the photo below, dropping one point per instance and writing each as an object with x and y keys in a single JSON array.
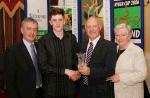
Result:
[
  {"x": 147, "y": 39},
  {"x": 147, "y": 27}
]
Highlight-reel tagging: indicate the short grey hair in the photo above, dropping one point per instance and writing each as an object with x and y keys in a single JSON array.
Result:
[
  {"x": 123, "y": 26},
  {"x": 28, "y": 19}
]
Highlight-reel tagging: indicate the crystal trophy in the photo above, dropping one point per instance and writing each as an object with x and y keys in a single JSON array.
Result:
[{"x": 81, "y": 59}]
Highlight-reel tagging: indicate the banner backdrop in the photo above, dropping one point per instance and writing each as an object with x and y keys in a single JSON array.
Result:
[
  {"x": 11, "y": 6},
  {"x": 90, "y": 8},
  {"x": 101, "y": 9},
  {"x": 130, "y": 12},
  {"x": 106, "y": 11},
  {"x": 38, "y": 11}
]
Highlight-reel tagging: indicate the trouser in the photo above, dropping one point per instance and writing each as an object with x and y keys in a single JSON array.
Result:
[
  {"x": 84, "y": 91},
  {"x": 38, "y": 93},
  {"x": 70, "y": 96}
]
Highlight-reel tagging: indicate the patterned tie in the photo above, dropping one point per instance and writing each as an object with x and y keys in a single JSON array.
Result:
[
  {"x": 34, "y": 59},
  {"x": 88, "y": 57}
]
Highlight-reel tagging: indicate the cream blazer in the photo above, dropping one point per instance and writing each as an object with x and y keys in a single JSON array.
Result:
[{"x": 131, "y": 67}]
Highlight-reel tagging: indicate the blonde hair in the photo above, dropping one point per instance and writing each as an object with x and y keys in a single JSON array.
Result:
[{"x": 99, "y": 21}]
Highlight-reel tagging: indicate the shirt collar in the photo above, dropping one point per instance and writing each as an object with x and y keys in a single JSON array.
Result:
[
  {"x": 27, "y": 44},
  {"x": 54, "y": 36},
  {"x": 94, "y": 41}
]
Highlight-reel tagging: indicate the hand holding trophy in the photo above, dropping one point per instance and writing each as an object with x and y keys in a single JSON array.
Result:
[{"x": 82, "y": 66}]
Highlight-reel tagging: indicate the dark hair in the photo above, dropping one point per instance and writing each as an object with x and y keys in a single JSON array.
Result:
[{"x": 55, "y": 11}]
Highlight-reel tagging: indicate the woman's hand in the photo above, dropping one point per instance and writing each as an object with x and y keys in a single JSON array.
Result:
[{"x": 115, "y": 78}]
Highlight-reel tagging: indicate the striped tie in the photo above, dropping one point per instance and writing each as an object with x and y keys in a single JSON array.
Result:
[{"x": 88, "y": 57}]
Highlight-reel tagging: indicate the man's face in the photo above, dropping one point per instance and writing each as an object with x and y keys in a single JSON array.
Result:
[
  {"x": 57, "y": 22},
  {"x": 92, "y": 28},
  {"x": 29, "y": 31}
]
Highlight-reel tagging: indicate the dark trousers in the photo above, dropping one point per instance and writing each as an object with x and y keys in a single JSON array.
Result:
[
  {"x": 104, "y": 91},
  {"x": 70, "y": 96},
  {"x": 84, "y": 91},
  {"x": 39, "y": 93}
]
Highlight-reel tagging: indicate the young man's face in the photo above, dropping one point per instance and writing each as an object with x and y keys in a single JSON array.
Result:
[
  {"x": 29, "y": 31},
  {"x": 57, "y": 22}
]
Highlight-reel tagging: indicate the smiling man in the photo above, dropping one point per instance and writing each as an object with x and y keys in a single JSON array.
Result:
[
  {"x": 99, "y": 62},
  {"x": 23, "y": 78}
]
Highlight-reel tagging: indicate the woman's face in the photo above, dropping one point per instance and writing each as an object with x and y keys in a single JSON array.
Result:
[{"x": 122, "y": 37}]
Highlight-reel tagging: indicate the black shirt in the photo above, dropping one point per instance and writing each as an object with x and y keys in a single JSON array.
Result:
[
  {"x": 56, "y": 55},
  {"x": 120, "y": 52}
]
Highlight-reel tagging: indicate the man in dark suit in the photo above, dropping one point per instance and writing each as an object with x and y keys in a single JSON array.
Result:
[
  {"x": 1, "y": 73},
  {"x": 58, "y": 59},
  {"x": 99, "y": 63},
  {"x": 23, "y": 78}
]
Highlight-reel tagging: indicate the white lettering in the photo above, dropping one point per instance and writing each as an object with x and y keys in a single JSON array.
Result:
[
  {"x": 135, "y": 33},
  {"x": 135, "y": 2},
  {"x": 119, "y": 4}
]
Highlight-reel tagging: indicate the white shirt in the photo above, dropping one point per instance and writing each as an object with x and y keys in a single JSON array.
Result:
[
  {"x": 94, "y": 43},
  {"x": 27, "y": 44}
]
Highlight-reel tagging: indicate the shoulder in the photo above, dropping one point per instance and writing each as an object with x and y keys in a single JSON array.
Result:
[
  {"x": 71, "y": 36},
  {"x": 135, "y": 48},
  {"x": 108, "y": 43},
  {"x": 15, "y": 48},
  {"x": 45, "y": 38}
]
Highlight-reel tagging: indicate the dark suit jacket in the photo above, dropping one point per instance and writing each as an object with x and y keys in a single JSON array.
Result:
[
  {"x": 1, "y": 71},
  {"x": 102, "y": 65},
  {"x": 55, "y": 82},
  {"x": 20, "y": 72}
]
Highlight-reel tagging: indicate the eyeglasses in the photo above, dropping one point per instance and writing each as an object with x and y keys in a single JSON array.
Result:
[{"x": 92, "y": 26}]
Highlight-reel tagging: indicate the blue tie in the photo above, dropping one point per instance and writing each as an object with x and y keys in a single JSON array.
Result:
[
  {"x": 88, "y": 57},
  {"x": 34, "y": 59}
]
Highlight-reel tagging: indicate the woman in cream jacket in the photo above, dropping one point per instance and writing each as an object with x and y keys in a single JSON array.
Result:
[{"x": 131, "y": 68}]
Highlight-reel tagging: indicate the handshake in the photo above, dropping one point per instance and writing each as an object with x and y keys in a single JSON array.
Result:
[{"x": 83, "y": 69}]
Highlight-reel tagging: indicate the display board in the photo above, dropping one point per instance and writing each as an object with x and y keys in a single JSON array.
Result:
[
  {"x": 132, "y": 13},
  {"x": 39, "y": 13}
]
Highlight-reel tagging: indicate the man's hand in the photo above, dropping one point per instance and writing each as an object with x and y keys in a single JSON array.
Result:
[
  {"x": 84, "y": 69},
  {"x": 73, "y": 75}
]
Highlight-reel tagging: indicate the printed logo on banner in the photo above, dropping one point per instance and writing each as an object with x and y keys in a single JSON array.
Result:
[{"x": 130, "y": 12}]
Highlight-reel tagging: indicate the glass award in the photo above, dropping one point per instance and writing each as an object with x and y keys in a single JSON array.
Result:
[{"x": 81, "y": 59}]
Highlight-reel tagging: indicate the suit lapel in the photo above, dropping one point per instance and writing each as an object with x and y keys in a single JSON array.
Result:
[
  {"x": 25, "y": 53},
  {"x": 84, "y": 47},
  {"x": 97, "y": 49}
]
